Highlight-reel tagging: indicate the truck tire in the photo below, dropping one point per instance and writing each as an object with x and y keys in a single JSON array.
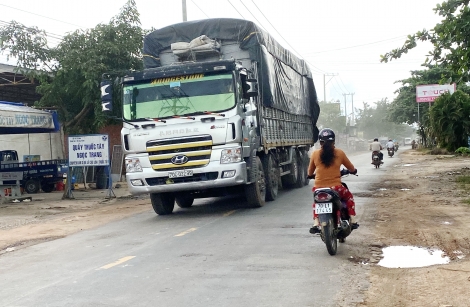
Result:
[
  {"x": 255, "y": 192},
  {"x": 272, "y": 178},
  {"x": 184, "y": 201},
  {"x": 162, "y": 203},
  {"x": 32, "y": 186},
  {"x": 47, "y": 187},
  {"x": 290, "y": 180},
  {"x": 306, "y": 161}
]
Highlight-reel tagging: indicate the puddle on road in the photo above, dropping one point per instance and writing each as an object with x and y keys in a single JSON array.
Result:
[
  {"x": 411, "y": 257},
  {"x": 408, "y": 164},
  {"x": 404, "y": 189},
  {"x": 382, "y": 189}
]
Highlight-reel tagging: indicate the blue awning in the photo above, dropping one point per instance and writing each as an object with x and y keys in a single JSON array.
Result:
[{"x": 16, "y": 118}]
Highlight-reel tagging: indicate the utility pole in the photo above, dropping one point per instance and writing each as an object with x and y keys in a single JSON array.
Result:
[
  {"x": 352, "y": 103},
  {"x": 325, "y": 83},
  {"x": 185, "y": 16}
]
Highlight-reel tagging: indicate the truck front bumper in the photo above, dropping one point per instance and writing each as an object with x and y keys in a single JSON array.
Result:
[{"x": 207, "y": 177}]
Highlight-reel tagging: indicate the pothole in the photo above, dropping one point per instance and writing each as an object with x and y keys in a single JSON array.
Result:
[{"x": 411, "y": 257}]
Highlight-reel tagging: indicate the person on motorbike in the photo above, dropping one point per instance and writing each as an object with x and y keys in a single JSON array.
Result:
[
  {"x": 390, "y": 144},
  {"x": 376, "y": 146},
  {"x": 326, "y": 163}
]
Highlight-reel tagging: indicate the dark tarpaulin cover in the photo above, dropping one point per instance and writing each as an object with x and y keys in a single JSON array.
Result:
[{"x": 285, "y": 80}]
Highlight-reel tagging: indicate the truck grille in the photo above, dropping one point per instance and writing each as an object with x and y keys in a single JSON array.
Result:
[{"x": 180, "y": 153}]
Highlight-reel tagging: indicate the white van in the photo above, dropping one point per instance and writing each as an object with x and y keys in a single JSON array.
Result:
[{"x": 407, "y": 141}]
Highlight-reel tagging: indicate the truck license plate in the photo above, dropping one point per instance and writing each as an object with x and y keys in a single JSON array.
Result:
[
  {"x": 182, "y": 173},
  {"x": 321, "y": 208}
]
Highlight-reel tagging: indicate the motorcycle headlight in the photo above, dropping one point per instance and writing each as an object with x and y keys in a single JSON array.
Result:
[
  {"x": 231, "y": 155},
  {"x": 133, "y": 165}
]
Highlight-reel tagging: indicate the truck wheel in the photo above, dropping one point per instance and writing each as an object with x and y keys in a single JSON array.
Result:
[
  {"x": 305, "y": 160},
  {"x": 47, "y": 187},
  {"x": 184, "y": 201},
  {"x": 256, "y": 192},
  {"x": 291, "y": 179},
  {"x": 31, "y": 186},
  {"x": 272, "y": 179},
  {"x": 162, "y": 204}
]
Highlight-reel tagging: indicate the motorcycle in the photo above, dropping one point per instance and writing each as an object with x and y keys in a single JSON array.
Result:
[
  {"x": 391, "y": 152},
  {"x": 396, "y": 147},
  {"x": 333, "y": 215},
  {"x": 376, "y": 159}
]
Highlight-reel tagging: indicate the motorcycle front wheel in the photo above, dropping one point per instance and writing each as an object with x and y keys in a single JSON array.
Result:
[{"x": 330, "y": 238}]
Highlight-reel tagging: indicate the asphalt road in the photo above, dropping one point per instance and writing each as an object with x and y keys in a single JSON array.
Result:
[{"x": 216, "y": 253}]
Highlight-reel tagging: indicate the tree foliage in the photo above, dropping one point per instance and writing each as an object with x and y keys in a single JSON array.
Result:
[
  {"x": 374, "y": 122},
  {"x": 449, "y": 38},
  {"x": 330, "y": 117},
  {"x": 70, "y": 72},
  {"x": 450, "y": 120}
]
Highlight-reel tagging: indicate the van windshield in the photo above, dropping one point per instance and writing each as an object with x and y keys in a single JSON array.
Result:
[{"x": 178, "y": 96}]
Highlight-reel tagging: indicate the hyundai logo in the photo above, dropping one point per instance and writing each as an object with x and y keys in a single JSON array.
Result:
[{"x": 179, "y": 159}]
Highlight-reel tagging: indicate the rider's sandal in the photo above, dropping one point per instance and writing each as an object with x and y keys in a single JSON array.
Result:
[
  {"x": 354, "y": 226},
  {"x": 315, "y": 230}
]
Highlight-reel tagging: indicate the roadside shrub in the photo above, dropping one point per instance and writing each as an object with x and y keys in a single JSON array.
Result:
[
  {"x": 463, "y": 179},
  {"x": 439, "y": 151},
  {"x": 464, "y": 151}
]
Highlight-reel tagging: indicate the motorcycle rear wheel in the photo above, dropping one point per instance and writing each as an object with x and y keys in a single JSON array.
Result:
[{"x": 331, "y": 241}]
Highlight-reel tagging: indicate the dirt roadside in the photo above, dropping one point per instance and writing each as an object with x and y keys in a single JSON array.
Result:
[{"x": 418, "y": 203}]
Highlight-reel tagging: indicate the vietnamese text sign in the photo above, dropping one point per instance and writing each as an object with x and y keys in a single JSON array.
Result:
[
  {"x": 89, "y": 150},
  {"x": 25, "y": 119},
  {"x": 429, "y": 92}
]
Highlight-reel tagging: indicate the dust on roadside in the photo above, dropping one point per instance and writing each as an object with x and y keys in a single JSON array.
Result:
[
  {"x": 418, "y": 203},
  {"x": 47, "y": 217}
]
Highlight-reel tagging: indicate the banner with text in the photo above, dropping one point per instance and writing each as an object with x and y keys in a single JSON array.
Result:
[
  {"x": 429, "y": 92},
  {"x": 89, "y": 150}
]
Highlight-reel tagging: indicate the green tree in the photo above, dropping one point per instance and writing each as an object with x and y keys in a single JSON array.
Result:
[
  {"x": 374, "y": 122},
  {"x": 450, "y": 120},
  {"x": 70, "y": 73},
  {"x": 449, "y": 38},
  {"x": 330, "y": 117}
]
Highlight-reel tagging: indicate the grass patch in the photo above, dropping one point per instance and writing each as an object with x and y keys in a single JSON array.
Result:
[
  {"x": 439, "y": 151},
  {"x": 467, "y": 201},
  {"x": 463, "y": 179}
]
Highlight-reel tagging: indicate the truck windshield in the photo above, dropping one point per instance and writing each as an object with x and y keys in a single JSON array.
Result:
[{"x": 177, "y": 96}]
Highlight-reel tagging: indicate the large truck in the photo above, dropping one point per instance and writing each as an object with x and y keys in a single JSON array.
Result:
[{"x": 219, "y": 108}]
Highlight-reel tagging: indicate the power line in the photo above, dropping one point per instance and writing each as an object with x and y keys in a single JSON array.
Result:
[
  {"x": 300, "y": 55},
  {"x": 14, "y": 8},
  {"x": 367, "y": 44},
  {"x": 200, "y": 8},
  {"x": 48, "y": 34},
  {"x": 236, "y": 9},
  {"x": 343, "y": 83},
  {"x": 253, "y": 15}
]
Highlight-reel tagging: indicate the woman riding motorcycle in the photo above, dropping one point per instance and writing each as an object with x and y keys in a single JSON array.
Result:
[{"x": 326, "y": 163}]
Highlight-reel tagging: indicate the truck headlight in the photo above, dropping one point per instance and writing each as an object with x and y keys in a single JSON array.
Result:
[
  {"x": 231, "y": 155},
  {"x": 133, "y": 165}
]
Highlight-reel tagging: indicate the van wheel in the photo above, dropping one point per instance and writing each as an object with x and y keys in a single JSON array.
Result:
[
  {"x": 31, "y": 186},
  {"x": 162, "y": 203},
  {"x": 255, "y": 192},
  {"x": 272, "y": 178}
]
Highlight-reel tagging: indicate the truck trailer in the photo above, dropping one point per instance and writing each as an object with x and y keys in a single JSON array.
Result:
[{"x": 219, "y": 108}]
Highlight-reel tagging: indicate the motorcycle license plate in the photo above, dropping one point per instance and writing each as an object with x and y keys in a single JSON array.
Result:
[
  {"x": 376, "y": 157},
  {"x": 182, "y": 173},
  {"x": 321, "y": 208}
]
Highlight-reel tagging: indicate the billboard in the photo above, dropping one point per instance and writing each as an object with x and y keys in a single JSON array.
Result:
[
  {"x": 89, "y": 150},
  {"x": 429, "y": 92}
]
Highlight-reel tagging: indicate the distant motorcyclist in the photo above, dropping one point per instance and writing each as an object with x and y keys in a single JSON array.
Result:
[{"x": 376, "y": 147}]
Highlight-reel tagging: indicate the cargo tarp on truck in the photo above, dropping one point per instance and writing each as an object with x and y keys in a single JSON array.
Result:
[{"x": 290, "y": 87}]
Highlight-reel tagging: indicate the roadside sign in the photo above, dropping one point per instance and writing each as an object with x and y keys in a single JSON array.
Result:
[
  {"x": 88, "y": 150},
  {"x": 429, "y": 92}
]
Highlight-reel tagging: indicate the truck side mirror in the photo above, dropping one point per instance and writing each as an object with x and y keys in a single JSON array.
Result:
[
  {"x": 251, "y": 88},
  {"x": 107, "y": 95}
]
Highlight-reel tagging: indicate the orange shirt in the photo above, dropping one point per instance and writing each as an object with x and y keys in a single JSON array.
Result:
[{"x": 327, "y": 177}]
